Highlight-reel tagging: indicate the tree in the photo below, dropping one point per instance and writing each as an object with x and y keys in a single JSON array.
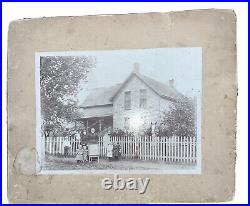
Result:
[
  {"x": 60, "y": 81},
  {"x": 179, "y": 120}
]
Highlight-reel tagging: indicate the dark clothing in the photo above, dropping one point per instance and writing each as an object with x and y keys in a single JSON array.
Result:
[
  {"x": 116, "y": 150},
  {"x": 66, "y": 151},
  {"x": 91, "y": 139},
  {"x": 84, "y": 139}
]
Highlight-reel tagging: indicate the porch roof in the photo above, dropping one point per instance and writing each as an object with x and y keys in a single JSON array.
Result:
[
  {"x": 94, "y": 117},
  {"x": 100, "y": 96}
]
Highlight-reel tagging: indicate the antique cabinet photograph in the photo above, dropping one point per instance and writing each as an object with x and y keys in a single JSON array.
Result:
[
  {"x": 127, "y": 111},
  {"x": 129, "y": 108}
]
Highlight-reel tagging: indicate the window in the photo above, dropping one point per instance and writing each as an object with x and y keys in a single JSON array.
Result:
[
  {"x": 143, "y": 98},
  {"x": 127, "y": 100},
  {"x": 126, "y": 123}
]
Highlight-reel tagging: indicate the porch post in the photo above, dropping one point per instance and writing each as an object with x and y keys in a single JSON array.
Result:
[
  {"x": 87, "y": 126},
  {"x": 100, "y": 125}
]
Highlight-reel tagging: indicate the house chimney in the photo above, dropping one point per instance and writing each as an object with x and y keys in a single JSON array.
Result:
[
  {"x": 136, "y": 67},
  {"x": 171, "y": 83}
]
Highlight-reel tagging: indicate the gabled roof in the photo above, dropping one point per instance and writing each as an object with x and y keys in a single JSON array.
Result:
[
  {"x": 105, "y": 95},
  {"x": 162, "y": 89},
  {"x": 100, "y": 96},
  {"x": 159, "y": 88}
]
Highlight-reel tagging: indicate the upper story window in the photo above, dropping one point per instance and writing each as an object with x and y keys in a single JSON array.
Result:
[
  {"x": 143, "y": 98},
  {"x": 127, "y": 100}
]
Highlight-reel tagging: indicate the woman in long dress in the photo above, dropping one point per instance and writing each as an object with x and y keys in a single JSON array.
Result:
[{"x": 66, "y": 146}]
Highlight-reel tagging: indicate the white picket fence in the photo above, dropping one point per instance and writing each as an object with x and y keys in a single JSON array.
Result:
[
  {"x": 54, "y": 145},
  {"x": 169, "y": 149}
]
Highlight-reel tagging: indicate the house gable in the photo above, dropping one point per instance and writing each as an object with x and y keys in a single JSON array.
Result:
[
  {"x": 159, "y": 88},
  {"x": 126, "y": 82},
  {"x": 153, "y": 103}
]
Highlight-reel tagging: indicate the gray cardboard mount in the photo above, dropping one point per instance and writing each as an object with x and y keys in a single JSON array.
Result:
[{"x": 213, "y": 30}]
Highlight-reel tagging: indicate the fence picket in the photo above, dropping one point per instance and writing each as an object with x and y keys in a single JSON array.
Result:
[
  {"x": 155, "y": 146},
  {"x": 133, "y": 147},
  {"x": 185, "y": 149},
  {"x": 157, "y": 149},
  {"x": 194, "y": 150},
  {"x": 177, "y": 148},
  {"x": 172, "y": 150},
  {"x": 175, "y": 156},
  {"x": 168, "y": 153},
  {"x": 152, "y": 148},
  {"x": 161, "y": 148},
  {"x": 126, "y": 146},
  {"x": 188, "y": 150},
  {"x": 50, "y": 145}
]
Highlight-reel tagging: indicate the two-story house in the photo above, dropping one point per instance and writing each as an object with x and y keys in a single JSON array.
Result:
[{"x": 137, "y": 102}]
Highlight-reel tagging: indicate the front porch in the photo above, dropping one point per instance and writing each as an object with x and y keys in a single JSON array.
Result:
[{"x": 100, "y": 124}]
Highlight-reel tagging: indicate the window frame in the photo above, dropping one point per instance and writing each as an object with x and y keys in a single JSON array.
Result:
[
  {"x": 127, "y": 100},
  {"x": 143, "y": 98},
  {"x": 126, "y": 123}
]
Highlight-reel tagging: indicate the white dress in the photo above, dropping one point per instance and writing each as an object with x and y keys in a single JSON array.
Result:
[
  {"x": 110, "y": 150},
  {"x": 79, "y": 155},
  {"x": 77, "y": 136}
]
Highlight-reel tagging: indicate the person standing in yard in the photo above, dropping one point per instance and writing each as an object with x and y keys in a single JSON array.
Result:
[
  {"x": 93, "y": 137},
  {"x": 77, "y": 135},
  {"x": 110, "y": 151},
  {"x": 79, "y": 154},
  {"x": 66, "y": 146},
  {"x": 85, "y": 153},
  {"x": 117, "y": 151},
  {"x": 84, "y": 137},
  {"x": 106, "y": 139}
]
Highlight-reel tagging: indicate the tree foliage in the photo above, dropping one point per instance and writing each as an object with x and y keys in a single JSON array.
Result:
[
  {"x": 60, "y": 80},
  {"x": 179, "y": 119}
]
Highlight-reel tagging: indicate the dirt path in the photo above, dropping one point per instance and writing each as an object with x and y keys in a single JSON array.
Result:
[{"x": 60, "y": 163}]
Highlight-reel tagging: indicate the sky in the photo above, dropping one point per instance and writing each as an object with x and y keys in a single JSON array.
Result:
[{"x": 184, "y": 65}]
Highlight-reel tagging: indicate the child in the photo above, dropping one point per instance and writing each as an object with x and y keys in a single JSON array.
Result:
[
  {"x": 85, "y": 153},
  {"x": 110, "y": 154},
  {"x": 79, "y": 154},
  {"x": 117, "y": 151}
]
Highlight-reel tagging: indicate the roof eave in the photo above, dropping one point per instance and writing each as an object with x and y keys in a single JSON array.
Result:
[
  {"x": 122, "y": 85},
  {"x": 101, "y": 105},
  {"x": 169, "y": 98}
]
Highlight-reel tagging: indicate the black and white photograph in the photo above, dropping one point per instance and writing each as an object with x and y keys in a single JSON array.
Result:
[
  {"x": 124, "y": 103},
  {"x": 127, "y": 111}
]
